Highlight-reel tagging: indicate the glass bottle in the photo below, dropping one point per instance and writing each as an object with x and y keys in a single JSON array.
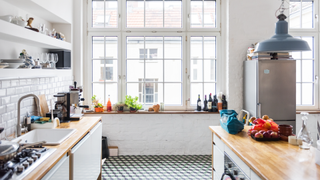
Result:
[
  {"x": 109, "y": 107},
  {"x": 304, "y": 134}
]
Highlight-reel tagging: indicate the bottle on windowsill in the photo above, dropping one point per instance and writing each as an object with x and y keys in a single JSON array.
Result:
[
  {"x": 214, "y": 104},
  {"x": 109, "y": 106},
  {"x": 224, "y": 102},
  {"x": 199, "y": 103},
  {"x": 205, "y": 104},
  {"x": 210, "y": 104}
]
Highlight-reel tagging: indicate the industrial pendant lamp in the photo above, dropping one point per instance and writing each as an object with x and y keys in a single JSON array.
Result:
[{"x": 282, "y": 41}]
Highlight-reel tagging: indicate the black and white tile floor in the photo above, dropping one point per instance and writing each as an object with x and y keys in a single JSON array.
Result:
[{"x": 157, "y": 167}]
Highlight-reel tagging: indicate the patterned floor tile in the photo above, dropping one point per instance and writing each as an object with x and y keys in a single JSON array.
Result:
[{"x": 157, "y": 167}]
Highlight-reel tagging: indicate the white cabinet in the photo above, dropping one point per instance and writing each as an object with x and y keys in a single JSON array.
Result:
[
  {"x": 218, "y": 163},
  {"x": 60, "y": 171},
  {"x": 86, "y": 156}
]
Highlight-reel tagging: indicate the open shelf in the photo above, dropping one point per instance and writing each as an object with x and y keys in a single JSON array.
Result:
[
  {"x": 10, "y": 73},
  {"x": 42, "y": 9},
  {"x": 15, "y": 33}
]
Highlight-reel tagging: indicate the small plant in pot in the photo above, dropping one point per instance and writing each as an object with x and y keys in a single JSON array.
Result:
[
  {"x": 119, "y": 107},
  {"x": 132, "y": 104},
  {"x": 98, "y": 107}
]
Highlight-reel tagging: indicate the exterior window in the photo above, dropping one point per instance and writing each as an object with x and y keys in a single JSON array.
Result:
[
  {"x": 157, "y": 50},
  {"x": 154, "y": 14},
  {"x": 104, "y": 14},
  {"x": 202, "y": 50},
  {"x": 301, "y": 14}
]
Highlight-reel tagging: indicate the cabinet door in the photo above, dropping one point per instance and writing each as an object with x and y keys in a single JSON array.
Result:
[
  {"x": 96, "y": 138},
  {"x": 218, "y": 163},
  {"x": 80, "y": 158},
  {"x": 60, "y": 171}
]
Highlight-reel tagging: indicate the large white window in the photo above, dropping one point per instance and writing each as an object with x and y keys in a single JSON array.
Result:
[
  {"x": 303, "y": 24},
  {"x": 159, "y": 50}
]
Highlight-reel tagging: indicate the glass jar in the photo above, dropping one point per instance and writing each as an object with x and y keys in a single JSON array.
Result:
[{"x": 304, "y": 135}]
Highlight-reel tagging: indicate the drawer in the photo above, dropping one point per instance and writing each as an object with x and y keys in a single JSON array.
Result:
[
  {"x": 238, "y": 161},
  {"x": 218, "y": 142}
]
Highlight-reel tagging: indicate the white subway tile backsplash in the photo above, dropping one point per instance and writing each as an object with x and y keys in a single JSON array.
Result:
[
  {"x": 14, "y": 83},
  {"x": 26, "y": 89},
  {"x": 11, "y": 107},
  {"x": 2, "y": 109},
  {"x": 23, "y": 82},
  {"x": 6, "y": 84},
  {"x": 5, "y": 100},
  {"x": 3, "y": 92},
  {"x": 19, "y": 90},
  {"x": 15, "y": 98},
  {"x": 11, "y": 91}
]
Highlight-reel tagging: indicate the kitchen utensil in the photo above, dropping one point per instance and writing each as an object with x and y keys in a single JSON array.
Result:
[{"x": 43, "y": 105}]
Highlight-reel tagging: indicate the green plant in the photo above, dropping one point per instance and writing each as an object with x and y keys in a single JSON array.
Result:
[
  {"x": 93, "y": 98},
  {"x": 132, "y": 102},
  {"x": 95, "y": 101},
  {"x": 99, "y": 105}
]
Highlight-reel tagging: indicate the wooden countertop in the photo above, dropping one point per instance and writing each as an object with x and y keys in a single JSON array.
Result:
[
  {"x": 83, "y": 127},
  {"x": 271, "y": 159}
]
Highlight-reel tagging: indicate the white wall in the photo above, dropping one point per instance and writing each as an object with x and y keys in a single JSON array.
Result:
[
  {"x": 159, "y": 134},
  {"x": 248, "y": 22}
]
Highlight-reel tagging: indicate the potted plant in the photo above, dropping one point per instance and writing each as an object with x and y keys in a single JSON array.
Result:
[
  {"x": 132, "y": 104},
  {"x": 98, "y": 107},
  {"x": 119, "y": 107}
]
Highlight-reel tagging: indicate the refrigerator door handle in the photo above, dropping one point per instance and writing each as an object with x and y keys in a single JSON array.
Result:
[{"x": 259, "y": 110}]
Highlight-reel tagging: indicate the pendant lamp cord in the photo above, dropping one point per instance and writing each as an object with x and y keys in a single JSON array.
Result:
[{"x": 281, "y": 9}]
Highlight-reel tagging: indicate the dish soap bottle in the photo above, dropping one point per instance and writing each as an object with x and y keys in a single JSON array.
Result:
[
  {"x": 304, "y": 138},
  {"x": 109, "y": 107}
]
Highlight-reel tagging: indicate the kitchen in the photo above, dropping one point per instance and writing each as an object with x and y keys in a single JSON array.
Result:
[{"x": 136, "y": 48}]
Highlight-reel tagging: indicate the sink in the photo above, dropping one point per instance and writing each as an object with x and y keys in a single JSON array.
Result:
[{"x": 51, "y": 136}]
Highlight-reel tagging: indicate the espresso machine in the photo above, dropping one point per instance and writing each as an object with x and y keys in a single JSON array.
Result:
[{"x": 67, "y": 104}]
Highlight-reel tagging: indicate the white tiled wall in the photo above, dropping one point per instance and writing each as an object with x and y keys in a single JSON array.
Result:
[
  {"x": 11, "y": 89},
  {"x": 159, "y": 134}
]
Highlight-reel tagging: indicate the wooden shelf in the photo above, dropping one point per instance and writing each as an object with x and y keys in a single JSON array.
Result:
[
  {"x": 42, "y": 9},
  {"x": 15, "y": 33}
]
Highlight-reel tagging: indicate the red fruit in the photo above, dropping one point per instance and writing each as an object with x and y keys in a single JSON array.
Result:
[
  {"x": 269, "y": 131},
  {"x": 274, "y": 135},
  {"x": 258, "y": 135},
  {"x": 266, "y": 135},
  {"x": 249, "y": 132},
  {"x": 253, "y": 132},
  {"x": 262, "y": 131}
]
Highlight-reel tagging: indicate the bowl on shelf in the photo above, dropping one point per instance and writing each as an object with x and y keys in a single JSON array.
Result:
[{"x": 3, "y": 65}]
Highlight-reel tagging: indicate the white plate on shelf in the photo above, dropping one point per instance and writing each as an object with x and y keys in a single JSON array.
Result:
[
  {"x": 3, "y": 65},
  {"x": 12, "y": 60},
  {"x": 14, "y": 65}
]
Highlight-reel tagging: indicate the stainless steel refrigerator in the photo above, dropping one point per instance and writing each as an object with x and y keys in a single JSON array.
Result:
[{"x": 270, "y": 89}]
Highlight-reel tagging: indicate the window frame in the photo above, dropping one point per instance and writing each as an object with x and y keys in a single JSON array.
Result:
[
  {"x": 315, "y": 33},
  {"x": 121, "y": 32}
]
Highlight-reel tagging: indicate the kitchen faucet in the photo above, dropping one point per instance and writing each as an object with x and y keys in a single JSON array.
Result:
[{"x": 19, "y": 102}]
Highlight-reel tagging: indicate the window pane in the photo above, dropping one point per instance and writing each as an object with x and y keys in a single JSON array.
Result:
[
  {"x": 209, "y": 88},
  {"x": 209, "y": 14},
  {"x": 98, "y": 47},
  {"x": 307, "y": 93},
  {"x": 135, "y": 70},
  {"x": 173, "y": 92},
  {"x": 196, "y": 71},
  {"x": 133, "y": 90},
  {"x": 154, "y": 46},
  {"x": 154, "y": 70},
  {"x": 135, "y": 14},
  {"x": 111, "y": 47},
  {"x": 209, "y": 47},
  {"x": 308, "y": 54},
  {"x": 104, "y": 14},
  {"x": 172, "y": 14},
  {"x": 209, "y": 70},
  {"x": 307, "y": 71},
  {"x": 195, "y": 89},
  {"x": 298, "y": 91},
  {"x": 98, "y": 90},
  {"x": 154, "y": 14},
  {"x": 134, "y": 44},
  {"x": 196, "y": 14},
  {"x": 173, "y": 47},
  {"x": 112, "y": 90},
  {"x": 298, "y": 71},
  {"x": 301, "y": 14},
  {"x": 172, "y": 71},
  {"x": 196, "y": 47},
  {"x": 307, "y": 14},
  {"x": 295, "y": 14}
]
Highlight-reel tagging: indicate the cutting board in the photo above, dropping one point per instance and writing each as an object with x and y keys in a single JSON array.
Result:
[{"x": 43, "y": 105}]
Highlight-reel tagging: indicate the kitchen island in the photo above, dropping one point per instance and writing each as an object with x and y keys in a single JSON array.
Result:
[
  {"x": 83, "y": 127},
  {"x": 262, "y": 160}
]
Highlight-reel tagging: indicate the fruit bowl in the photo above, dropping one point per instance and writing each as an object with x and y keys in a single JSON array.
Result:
[{"x": 265, "y": 139}]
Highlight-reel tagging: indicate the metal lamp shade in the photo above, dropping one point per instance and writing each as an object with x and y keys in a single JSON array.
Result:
[{"x": 282, "y": 41}]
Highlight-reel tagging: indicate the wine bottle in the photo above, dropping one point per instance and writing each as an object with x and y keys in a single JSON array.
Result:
[
  {"x": 214, "y": 104},
  {"x": 205, "y": 104},
  {"x": 199, "y": 103},
  {"x": 224, "y": 102},
  {"x": 109, "y": 107},
  {"x": 210, "y": 104}
]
